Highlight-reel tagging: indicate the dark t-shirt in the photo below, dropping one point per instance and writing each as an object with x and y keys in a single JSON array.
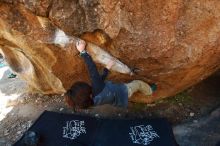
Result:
[{"x": 113, "y": 93}]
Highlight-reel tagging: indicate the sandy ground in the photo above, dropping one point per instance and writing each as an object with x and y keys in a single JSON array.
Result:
[{"x": 18, "y": 109}]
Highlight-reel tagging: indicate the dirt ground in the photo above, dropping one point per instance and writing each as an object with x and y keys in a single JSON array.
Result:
[{"x": 17, "y": 114}]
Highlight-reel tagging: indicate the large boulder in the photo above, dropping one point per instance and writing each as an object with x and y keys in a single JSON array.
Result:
[{"x": 174, "y": 43}]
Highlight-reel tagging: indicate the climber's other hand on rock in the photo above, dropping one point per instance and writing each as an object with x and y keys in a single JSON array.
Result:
[
  {"x": 110, "y": 64},
  {"x": 80, "y": 45}
]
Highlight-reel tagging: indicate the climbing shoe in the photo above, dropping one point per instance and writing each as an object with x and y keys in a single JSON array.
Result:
[
  {"x": 153, "y": 87},
  {"x": 12, "y": 75}
]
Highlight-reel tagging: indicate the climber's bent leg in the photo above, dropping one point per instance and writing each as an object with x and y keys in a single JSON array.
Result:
[{"x": 138, "y": 85}]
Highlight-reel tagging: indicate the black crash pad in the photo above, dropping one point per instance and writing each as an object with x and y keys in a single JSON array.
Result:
[{"x": 57, "y": 129}]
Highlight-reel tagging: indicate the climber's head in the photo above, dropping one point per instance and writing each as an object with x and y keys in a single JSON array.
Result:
[{"x": 79, "y": 95}]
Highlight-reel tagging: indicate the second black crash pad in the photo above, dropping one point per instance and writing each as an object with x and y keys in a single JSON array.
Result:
[{"x": 57, "y": 129}]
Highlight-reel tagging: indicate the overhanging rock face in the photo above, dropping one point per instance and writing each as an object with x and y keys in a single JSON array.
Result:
[{"x": 174, "y": 43}]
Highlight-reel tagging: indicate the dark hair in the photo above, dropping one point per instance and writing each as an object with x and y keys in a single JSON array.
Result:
[{"x": 79, "y": 95}]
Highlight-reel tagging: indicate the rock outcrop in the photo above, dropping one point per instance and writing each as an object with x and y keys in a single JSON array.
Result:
[{"x": 174, "y": 43}]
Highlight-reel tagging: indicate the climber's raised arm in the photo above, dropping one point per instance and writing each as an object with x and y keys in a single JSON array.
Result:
[{"x": 96, "y": 80}]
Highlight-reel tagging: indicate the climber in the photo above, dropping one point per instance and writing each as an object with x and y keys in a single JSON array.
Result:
[{"x": 82, "y": 95}]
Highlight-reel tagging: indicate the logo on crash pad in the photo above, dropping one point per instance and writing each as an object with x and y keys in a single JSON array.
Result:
[
  {"x": 142, "y": 134},
  {"x": 73, "y": 129}
]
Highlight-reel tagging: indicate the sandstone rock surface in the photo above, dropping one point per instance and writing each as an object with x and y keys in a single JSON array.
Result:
[{"x": 174, "y": 43}]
